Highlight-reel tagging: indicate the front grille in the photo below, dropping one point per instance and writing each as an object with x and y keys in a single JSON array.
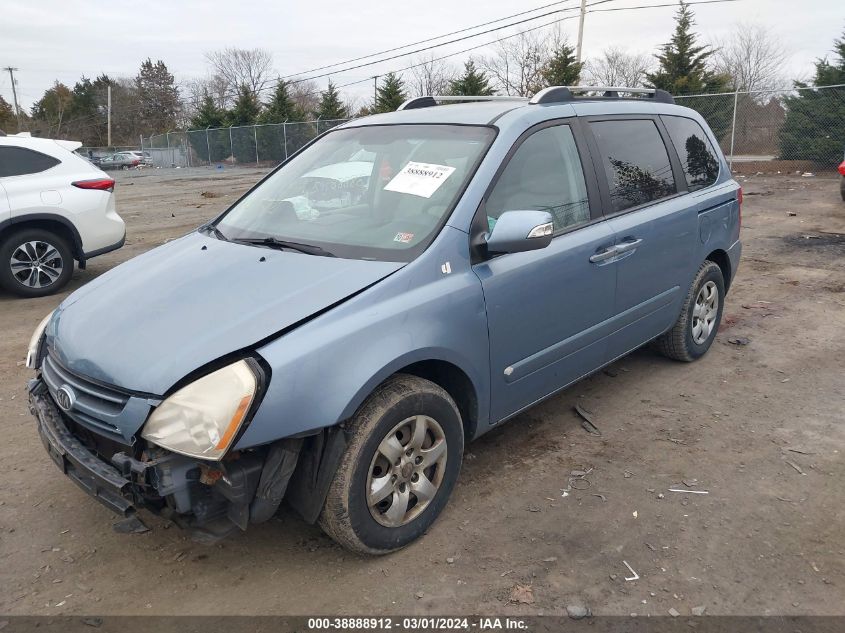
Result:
[{"x": 96, "y": 405}]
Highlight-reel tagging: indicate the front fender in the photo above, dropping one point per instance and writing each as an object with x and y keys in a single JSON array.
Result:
[{"x": 324, "y": 370}]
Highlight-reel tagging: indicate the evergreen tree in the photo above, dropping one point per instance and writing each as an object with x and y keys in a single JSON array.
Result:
[
  {"x": 330, "y": 106},
  {"x": 246, "y": 108},
  {"x": 281, "y": 106},
  {"x": 208, "y": 115},
  {"x": 158, "y": 97},
  {"x": 216, "y": 141},
  {"x": 244, "y": 112},
  {"x": 815, "y": 119},
  {"x": 683, "y": 68},
  {"x": 562, "y": 69},
  {"x": 7, "y": 116},
  {"x": 84, "y": 121},
  {"x": 391, "y": 94},
  {"x": 473, "y": 83},
  {"x": 276, "y": 142}
]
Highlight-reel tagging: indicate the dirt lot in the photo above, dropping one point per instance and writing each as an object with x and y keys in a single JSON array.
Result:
[{"x": 761, "y": 427}]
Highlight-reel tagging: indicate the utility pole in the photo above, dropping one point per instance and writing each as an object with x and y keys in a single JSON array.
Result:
[
  {"x": 108, "y": 113},
  {"x": 14, "y": 94},
  {"x": 581, "y": 31},
  {"x": 375, "y": 91}
]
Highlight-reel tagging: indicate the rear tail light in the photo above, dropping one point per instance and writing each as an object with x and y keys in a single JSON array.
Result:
[
  {"x": 842, "y": 168},
  {"x": 101, "y": 184}
]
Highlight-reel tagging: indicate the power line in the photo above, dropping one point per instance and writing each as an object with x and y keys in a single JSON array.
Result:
[
  {"x": 656, "y": 6},
  {"x": 460, "y": 39},
  {"x": 535, "y": 28},
  {"x": 430, "y": 39},
  {"x": 272, "y": 85},
  {"x": 589, "y": 10}
]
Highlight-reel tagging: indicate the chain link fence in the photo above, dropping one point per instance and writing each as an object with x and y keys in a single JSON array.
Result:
[
  {"x": 251, "y": 145},
  {"x": 794, "y": 129}
]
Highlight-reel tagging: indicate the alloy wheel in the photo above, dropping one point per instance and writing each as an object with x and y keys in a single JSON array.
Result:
[{"x": 36, "y": 264}]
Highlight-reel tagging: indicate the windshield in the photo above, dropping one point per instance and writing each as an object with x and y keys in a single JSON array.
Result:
[{"x": 378, "y": 192}]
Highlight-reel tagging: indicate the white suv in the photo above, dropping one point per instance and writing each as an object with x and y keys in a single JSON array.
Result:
[{"x": 55, "y": 207}]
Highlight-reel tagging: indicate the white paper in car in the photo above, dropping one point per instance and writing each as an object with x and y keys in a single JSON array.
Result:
[{"x": 419, "y": 179}]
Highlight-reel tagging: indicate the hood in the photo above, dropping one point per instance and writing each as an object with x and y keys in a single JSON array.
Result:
[{"x": 147, "y": 323}]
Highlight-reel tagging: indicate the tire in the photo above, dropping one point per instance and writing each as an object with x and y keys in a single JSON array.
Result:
[
  {"x": 33, "y": 245},
  {"x": 401, "y": 406},
  {"x": 691, "y": 336},
  {"x": 842, "y": 188}
]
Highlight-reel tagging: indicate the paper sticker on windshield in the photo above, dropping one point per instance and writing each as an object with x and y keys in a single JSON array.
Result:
[
  {"x": 403, "y": 237},
  {"x": 420, "y": 179}
]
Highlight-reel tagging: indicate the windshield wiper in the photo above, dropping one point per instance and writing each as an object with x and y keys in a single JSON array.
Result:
[
  {"x": 272, "y": 242},
  {"x": 212, "y": 228}
]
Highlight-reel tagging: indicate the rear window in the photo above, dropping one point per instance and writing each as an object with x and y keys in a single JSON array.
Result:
[
  {"x": 19, "y": 161},
  {"x": 636, "y": 162},
  {"x": 699, "y": 160}
]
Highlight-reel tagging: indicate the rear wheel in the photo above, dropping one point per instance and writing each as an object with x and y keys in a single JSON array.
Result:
[
  {"x": 696, "y": 327},
  {"x": 399, "y": 468},
  {"x": 34, "y": 263}
]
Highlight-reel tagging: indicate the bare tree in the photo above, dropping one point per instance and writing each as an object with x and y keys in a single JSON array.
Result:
[
  {"x": 431, "y": 77},
  {"x": 236, "y": 67},
  {"x": 306, "y": 95},
  {"x": 517, "y": 64},
  {"x": 753, "y": 57},
  {"x": 615, "y": 67}
]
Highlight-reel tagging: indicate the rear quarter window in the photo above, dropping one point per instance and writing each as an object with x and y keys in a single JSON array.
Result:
[
  {"x": 635, "y": 161},
  {"x": 20, "y": 161},
  {"x": 698, "y": 158}
]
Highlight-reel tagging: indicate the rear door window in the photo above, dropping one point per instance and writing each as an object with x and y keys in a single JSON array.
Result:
[
  {"x": 699, "y": 160},
  {"x": 635, "y": 161},
  {"x": 19, "y": 161}
]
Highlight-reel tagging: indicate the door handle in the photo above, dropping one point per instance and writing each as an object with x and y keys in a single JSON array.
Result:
[
  {"x": 630, "y": 245},
  {"x": 604, "y": 255}
]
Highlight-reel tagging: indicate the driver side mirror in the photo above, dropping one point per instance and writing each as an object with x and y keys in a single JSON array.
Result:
[{"x": 520, "y": 231}]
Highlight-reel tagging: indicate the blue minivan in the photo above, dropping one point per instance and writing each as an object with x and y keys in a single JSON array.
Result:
[{"x": 400, "y": 286}]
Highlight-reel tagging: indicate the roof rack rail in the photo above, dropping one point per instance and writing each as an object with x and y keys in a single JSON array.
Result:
[
  {"x": 428, "y": 101},
  {"x": 562, "y": 94}
]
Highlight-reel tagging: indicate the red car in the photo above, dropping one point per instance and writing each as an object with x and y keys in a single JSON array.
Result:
[{"x": 842, "y": 182}]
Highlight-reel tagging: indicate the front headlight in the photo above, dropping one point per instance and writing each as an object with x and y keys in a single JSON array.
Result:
[
  {"x": 202, "y": 419},
  {"x": 35, "y": 342}
]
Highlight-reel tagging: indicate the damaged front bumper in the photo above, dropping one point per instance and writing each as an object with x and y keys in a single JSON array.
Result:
[{"x": 214, "y": 499}]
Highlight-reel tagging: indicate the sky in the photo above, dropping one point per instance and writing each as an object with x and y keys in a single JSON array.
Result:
[{"x": 51, "y": 40}]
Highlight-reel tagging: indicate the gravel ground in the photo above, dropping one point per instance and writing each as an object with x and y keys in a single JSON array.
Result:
[{"x": 760, "y": 427}]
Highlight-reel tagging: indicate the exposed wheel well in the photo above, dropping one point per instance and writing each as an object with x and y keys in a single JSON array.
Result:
[
  {"x": 54, "y": 226},
  {"x": 456, "y": 383},
  {"x": 321, "y": 453},
  {"x": 721, "y": 258}
]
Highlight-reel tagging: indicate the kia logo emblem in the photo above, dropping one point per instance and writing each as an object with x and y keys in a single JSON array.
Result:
[{"x": 65, "y": 398}]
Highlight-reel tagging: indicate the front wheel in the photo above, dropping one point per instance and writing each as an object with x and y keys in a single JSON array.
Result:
[
  {"x": 696, "y": 327},
  {"x": 399, "y": 469}
]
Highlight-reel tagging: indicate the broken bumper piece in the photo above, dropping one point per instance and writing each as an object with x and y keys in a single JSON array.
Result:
[{"x": 213, "y": 499}]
